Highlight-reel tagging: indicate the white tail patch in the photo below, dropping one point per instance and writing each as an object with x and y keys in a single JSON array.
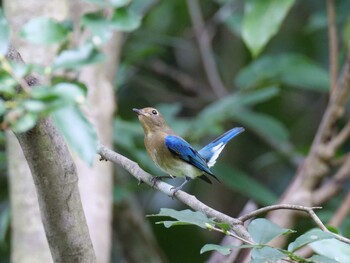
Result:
[{"x": 216, "y": 152}]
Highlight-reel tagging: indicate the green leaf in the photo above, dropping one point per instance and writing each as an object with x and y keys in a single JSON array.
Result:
[
  {"x": 25, "y": 122},
  {"x": 333, "y": 249},
  {"x": 224, "y": 250},
  {"x": 119, "y": 3},
  {"x": 290, "y": 69},
  {"x": 125, "y": 20},
  {"x": 240, "y": 182},
  {"x": 114, "y": 3},
  {"x": 4, "y": 33},
  {"x": 2, "y": 107},
  {"x": 35, "y": 106},
  {"x": 78, "y": 132},
  {"x": 261, "y": 21},
  {"x": 263, "y": 230},
  {"x": 185, "y": 217},
  {"x": 98, "y": 24},
  {"x": 43, "y": 30},
  {"x": 76, "y": 58},
  {"x": 4, "y": 223},
  {"x": 321, "y": 259},
  {"x": 263, "y": 124},
  {"x": 71, "y": 92},
  {"x": 309, "y": 237},
  {"x": 266, "y": 254}
]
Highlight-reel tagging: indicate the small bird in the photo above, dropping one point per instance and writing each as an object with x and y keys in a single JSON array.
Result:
[{"x": 174, "y": 155}]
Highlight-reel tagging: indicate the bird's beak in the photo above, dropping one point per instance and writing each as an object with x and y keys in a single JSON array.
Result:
[{"x": 137, "y": 111}]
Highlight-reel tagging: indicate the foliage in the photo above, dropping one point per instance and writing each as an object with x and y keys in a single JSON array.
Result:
[
  {"x": 64, "y": 96},
  {"x": 262, "y": 232},
  {"x": 273, "y": 62}
]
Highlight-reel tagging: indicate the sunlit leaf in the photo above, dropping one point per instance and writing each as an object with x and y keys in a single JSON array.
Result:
[
  {"x": 4, "y": 223},
  {"x": 309, "y": 237},
  {"x": 266, "y": 254},
  {"x": 290, "y": 69},
  {"x": 185, "y": 217},
  {"x": 263, "y": 230},
  {"x": 98, "y": 24},
  {"x": 35, "y": 106},
  {"x": 76, "y": 58},
  {"x": 125, "y": 20},
  {"x": 224, "y": 250},
  {"x": 119, "y": 3},
  {"x": 44, "y": 30},
  {"x": 2, "y": 107},
  {"x": 25, "y": 122},
  {"x": 4, "y": 33},
  {"x": 78, "y": 132},
  {"x": 261, "y": 21},
  {"x": 333, "y": 249},
  {"x": 322, "y": 259},
  {"x": 240, "y": 182}
]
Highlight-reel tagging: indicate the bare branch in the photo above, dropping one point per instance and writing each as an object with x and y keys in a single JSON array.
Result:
[
  {"x": 333, "y": 186},
  {"x": 341, "y": 213},
  {"x": 278, "y": 207},
  {"x": 191, "y": 201},
  {"x": 206, "y": 49},
  {"x": 185, "y": 198},
  {"x": 333, "y": 45}
]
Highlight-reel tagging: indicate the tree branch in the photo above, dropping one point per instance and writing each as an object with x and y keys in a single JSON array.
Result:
[
  {"x": 333, "y": 45},
  {"x": 56, "y": 183},
  {"x": 185, "y": 198},
  {"x": 206, "y": 49},
  {"x": 236, "y": 223}
]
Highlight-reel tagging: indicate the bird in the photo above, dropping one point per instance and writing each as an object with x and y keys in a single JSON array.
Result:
[{"x": 173, "y": 154}]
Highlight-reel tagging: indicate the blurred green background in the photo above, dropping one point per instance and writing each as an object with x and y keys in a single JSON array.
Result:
[{"x": 278, "y": 96}]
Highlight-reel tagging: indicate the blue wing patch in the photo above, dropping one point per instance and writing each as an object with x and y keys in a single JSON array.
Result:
[{"x": 184, "y": 150}]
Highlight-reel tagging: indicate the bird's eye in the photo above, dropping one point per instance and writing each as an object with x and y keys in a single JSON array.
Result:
[{"x": 154, "y": 112}]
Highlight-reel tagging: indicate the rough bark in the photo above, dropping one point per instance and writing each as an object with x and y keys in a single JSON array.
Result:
[
  {"x": 28, "y": 237},
  {"x": 56, "y": 183}
]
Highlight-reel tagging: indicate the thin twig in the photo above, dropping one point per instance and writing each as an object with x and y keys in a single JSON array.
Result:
[
  {"x": 309, "y": 210},
  {"x": 333, "y": 45},
  {"x": 5, "y": 64},
  {"x": 277, "y": 207},
  {"x": 206, "y": 49}
]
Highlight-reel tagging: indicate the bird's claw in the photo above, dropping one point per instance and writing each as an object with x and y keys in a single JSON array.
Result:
[{"x": 155, "y": 179}]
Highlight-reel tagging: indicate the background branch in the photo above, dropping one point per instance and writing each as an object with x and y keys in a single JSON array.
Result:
[
  {"x": 205, "y": 49},
  {"x": 333, "y": 45}
]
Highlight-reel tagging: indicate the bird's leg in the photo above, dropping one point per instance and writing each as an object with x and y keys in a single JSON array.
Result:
[
  {"x": 157, "y": 178},
  {"x": 187, "y": 179}
]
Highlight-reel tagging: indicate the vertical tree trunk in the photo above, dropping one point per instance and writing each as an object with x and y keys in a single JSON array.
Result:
[{"x": 29, "y": 243}]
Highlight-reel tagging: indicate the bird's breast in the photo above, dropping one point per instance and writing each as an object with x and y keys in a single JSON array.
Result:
[{"x": 167, "y": 161}]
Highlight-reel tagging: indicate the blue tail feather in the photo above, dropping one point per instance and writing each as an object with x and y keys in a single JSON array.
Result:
[{"x": 212, "y": 151}]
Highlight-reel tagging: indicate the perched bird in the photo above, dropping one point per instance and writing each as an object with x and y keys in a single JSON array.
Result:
[{"x": 174, "y": 155}]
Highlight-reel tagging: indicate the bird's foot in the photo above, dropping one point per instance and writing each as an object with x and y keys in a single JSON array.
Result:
[
  {"x": 155, "y": 179},
  {"x": 175, "y": 190}
]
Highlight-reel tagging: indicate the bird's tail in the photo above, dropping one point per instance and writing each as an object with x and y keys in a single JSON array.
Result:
[{"x": 212, "y": 151}]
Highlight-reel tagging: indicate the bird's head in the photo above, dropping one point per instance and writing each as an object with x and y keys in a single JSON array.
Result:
[{"x": 151, "y": 119}]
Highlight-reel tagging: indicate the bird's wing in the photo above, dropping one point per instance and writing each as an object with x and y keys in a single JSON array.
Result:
[
  {"x": 184, "y": 151},
  {"x": 212, "y": 151}
]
